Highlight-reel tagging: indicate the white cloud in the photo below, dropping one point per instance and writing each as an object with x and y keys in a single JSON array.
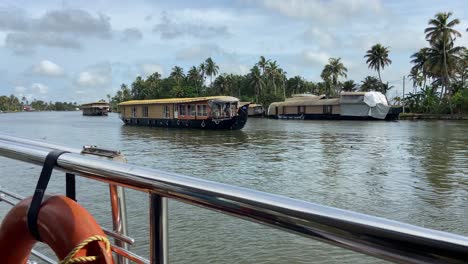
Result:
[
  {"x": 20, "y": 89},
  {"x": 323, "y": 38},
  {"x": 149, "y": 68},
  {"x": 39, "y": 88},
  {"x": 48, "y": 68},
  {"x": 325, "y": 11},
  {"x": 91, "y": 79},
  {"x": 99, "y": 75},
  {"x": 314, "y": 58}
]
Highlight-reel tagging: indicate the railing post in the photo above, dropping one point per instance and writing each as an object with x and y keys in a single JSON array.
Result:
[
  {"x": 119, "y": 217},
  {"x": 159, "y": 247}
]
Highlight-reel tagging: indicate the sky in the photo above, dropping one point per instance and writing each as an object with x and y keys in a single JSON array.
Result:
[{"x": 80, "y": 51}]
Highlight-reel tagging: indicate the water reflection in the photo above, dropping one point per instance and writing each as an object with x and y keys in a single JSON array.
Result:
[{"x": 414, "y": 172}]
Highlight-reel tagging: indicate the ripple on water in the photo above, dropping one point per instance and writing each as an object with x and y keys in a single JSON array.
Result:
[{"x": 414, "y": 172}]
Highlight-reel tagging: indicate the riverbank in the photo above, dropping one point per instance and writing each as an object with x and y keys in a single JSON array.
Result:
[{"x": 413, "y": 116}]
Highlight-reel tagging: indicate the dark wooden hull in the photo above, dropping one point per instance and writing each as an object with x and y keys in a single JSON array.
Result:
[
  {"x": 96, "y": 114},
  {"x": 234, "y": 123}
]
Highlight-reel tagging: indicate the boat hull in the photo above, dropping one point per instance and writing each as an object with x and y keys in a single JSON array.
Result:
[{"x": 393, "y": 114}]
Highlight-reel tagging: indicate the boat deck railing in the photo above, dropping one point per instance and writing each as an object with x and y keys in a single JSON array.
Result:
[{"x": 382, "y": 238}]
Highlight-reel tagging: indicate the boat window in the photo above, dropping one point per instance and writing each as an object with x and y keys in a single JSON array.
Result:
[
  {"x": 233, "y": 109},
  {"x": 134, "y": 111},
  {"x": 183, "y": 109},
  {"x": 216, "y": 110},
  {"x": 145, "y": 111},
  {"x": 189, "y": 110},
  {"x": 226, "y": 110},
  {"x": 202, "y": 110},
  {"x": 167, "y": 113},
  {"x": 193, "y": 110}
]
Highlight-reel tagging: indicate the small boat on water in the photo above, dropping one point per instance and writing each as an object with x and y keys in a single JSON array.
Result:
[
  {"x": 349, "y": 106},
  {"x": 95, "y": 109},
  {"x": 255, "y": 110},
  {"x": 213, "y": 112}
]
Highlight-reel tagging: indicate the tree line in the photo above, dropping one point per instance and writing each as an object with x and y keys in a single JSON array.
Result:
[
  {"x": 13, "y": 104},
  {"x": 438, "y": 75}
]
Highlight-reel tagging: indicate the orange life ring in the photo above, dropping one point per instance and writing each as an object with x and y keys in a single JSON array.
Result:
[{"x": 62, "y": 225}]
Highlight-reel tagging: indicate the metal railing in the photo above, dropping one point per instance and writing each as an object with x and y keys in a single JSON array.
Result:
[{"x": 378, "y": 237}]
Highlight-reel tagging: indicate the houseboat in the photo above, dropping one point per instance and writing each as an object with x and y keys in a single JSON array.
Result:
[
  {"x": 214, "y": 112},
  {"x": 95, "y": 109},
  {"x": 349, "y": 106},
  {"x": 255, "y": 110}
]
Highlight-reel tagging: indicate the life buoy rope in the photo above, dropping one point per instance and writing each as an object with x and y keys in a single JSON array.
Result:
[
  {"x": 70, "y": 259},
  {"x": 65, "y": 226}
]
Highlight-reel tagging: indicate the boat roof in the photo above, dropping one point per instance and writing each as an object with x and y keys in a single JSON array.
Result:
[
  {"x": 312, "y": 101},
  {"x": 251, "y": 105},
  {"x": 95, "y": 103},
  {"x": 180, "y": 100},
  {"x": 353, "y": 93}
]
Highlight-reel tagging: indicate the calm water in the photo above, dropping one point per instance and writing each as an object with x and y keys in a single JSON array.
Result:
[{"x": 415, "y": 172}]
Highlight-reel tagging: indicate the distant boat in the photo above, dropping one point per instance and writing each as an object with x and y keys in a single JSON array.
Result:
[
  {"x": 95, "y": 109},
  {"x": 213, "y": 112},
  {"x": 28, "y": 108},
  {"x": 349, "y": 106},
  {"x": 255, "y": 110}
]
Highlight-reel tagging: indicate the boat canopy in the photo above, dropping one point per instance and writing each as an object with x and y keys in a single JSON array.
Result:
[
  {"x": 213, "y": 99},
  {"x": 372, "y": 104},
  {"x": 309, "y": 101},
  {"x": 95, "y": 104}
]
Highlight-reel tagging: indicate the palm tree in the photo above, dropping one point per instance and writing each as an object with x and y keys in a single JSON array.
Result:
[
  {"x": 326, "y": 77},
  {"x": 219, "y": 85},
  {"x": 419, "y": 60},
  {"x": 271, "y": 71},
  {"x": 256, "y": 81},
  {"x": 336, "y": 69},
  {"x": 193, "y": 76},
  {"x": 283, "y": 79},
  {"x": 441, "y": 30},
  {"x": 349, "y": 86},
  {"x": 211, "y": 69},
  {"x": 295, "y": 85},
  {"x": 177, "y": 74},
  {"x": 377, "y": 58},
  {"x": 370, "y": 84},
  {"x": 202, "y": 70},
  {"x": 262, "y": 63},
  {"x": 443, "y": 59},
  {"x": 417, "y": 78}
]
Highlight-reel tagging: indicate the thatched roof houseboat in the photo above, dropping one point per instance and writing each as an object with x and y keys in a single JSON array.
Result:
[
  {"x": 95, "y": 109},
  {"x": 213, "y": 112}
]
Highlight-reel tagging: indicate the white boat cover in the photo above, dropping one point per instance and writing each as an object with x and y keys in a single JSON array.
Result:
[
  {"x": 372, "y": 104},
  {"x": 374, "y": 98}
]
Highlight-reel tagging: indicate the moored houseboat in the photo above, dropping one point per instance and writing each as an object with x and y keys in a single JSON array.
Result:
[
  {"x": 255, "y": 110},
  {"x": 349, "y": 106},
  {"x": 213, "y": 112},
  {"x": 95, "y": 109}
]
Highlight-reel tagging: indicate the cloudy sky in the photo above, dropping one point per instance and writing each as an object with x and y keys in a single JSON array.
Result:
[{"x": 82, "y": 50}]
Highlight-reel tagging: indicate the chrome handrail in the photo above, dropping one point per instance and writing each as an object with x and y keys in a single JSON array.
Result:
[{"x": 375, "y": 236}]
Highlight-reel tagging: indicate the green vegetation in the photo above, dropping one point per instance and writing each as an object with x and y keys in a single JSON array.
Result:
[
  {"x": 444, "y": 66},
  {"x": 13, "y": 104},
  {"x": 439, "y": 72}
]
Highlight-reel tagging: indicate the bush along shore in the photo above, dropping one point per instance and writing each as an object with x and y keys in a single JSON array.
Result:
[{"x": 13, "y": 104}]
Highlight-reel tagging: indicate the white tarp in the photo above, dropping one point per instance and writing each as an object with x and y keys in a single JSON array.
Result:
[
  {"x": 372, "y": 104},
  {"x": 374, "y": 98}
]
